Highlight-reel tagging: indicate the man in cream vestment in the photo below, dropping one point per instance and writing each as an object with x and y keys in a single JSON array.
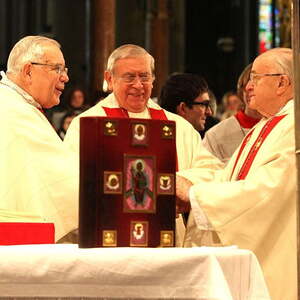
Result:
[
  {"x": 224, "y": 138},
  {"x": 130, "y": 75},
  {"x": 38, "y": 178},
  {"x": 252, "y": 202}
]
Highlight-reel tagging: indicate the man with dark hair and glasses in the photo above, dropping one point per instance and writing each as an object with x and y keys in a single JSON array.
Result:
[
  {"x": 38, "y": 180},
  {"x": 187, "y": 95}
]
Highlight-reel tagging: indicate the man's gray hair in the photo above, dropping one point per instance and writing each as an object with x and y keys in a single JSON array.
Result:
[
  {"x": 29, "y": 48},
  {"x": 126, "y": 51},
  {"x": 283, "y": 58}
]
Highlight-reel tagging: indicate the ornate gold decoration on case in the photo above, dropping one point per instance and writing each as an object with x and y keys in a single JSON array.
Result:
[
  {"x": 111, "y": 128},
  {"x": 109, "y": 238},
  {"x": 166, "y": 238}
]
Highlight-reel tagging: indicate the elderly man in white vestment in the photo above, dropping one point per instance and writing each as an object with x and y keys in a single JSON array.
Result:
[
  {"x": 224, "y": 138},
  {"x": 38, "y": 180},
  {"x": 130, "y": 76},
  {"x": 252, "y": 202}
]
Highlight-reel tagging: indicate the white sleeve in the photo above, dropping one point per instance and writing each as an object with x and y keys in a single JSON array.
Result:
[
  {"x": 199, "y": 215},
  {"x": 71, "y": 140},
  {"x": 269, "y": 186}
]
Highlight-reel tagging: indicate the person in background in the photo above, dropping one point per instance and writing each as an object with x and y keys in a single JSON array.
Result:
[
  {"x": 75, "y": 102},
  {"x": 187, "y": 95},
  {"x": 251, "y": 203},
  {"x": 65, "y": 123},
  {"x": 37, "y": 175},
  {"x": 232, "y": 103},
  {"x": 224, "y": 138},
  {"x": 212, "y": 119}
]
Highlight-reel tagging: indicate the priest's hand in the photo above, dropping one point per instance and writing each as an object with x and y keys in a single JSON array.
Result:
[{"x": 182, "y": 194}]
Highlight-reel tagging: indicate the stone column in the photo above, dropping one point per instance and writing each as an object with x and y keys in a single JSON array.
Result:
[
  {"x": 103, "y": 39},
  {"x": 160, "y": 45}
]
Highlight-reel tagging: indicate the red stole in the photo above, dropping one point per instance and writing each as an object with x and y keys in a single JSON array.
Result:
[
  {"x": 118, "y": 112},
  {"x": 255, "y": 147}
]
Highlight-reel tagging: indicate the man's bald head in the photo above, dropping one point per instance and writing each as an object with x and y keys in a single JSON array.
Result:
[{"x": 271, "y": 81}]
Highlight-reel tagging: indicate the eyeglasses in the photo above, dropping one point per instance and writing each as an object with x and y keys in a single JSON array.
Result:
[
  {"x": 204, "y": 104},
  {"x": 254, "y": 77},
  {"x": 59, "y": 69},
  {"x": 143, "y": 78}
]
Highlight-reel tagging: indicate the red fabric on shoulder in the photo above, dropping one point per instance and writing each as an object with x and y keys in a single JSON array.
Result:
[
  {"x": 157, "y": 114},
  {"x": 116, "y": 112},
  {"x": 265, "y": 131},
  {"x": 245, "y": 121}
]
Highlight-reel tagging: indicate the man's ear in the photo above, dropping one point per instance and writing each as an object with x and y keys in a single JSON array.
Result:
[
  {"x": 181, "y": 109},
  {"x": 109, "y": 80},
  {"x": 283, "y": 84},
  {"x": 26, "y": 72}
]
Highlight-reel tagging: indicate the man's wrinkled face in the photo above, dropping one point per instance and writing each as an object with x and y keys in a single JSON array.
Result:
[
  {"x": 199, "y": 111},
  {"x": 262, "y": 88},
  {"x": 131, "y": 82},
  {"x": 48, "y": 82}
]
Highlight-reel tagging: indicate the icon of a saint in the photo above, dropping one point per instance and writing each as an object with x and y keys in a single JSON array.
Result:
[
  {"x": 139, "y": 183},
  {"x": 139, "y": 132},
  {"x": 113, "y": 182}
]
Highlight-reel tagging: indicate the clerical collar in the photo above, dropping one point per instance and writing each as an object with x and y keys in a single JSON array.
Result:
[
  {"x": 245, "y": 120},
  {"x": 143, "y": 114},
  {"x": 20, "y": 91}
]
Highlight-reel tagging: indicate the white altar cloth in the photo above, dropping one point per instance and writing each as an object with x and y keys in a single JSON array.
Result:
[{"x": 63, "y": 271}]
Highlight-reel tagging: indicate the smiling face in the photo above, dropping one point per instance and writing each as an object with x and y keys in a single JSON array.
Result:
[
  {"x": 46, "y": 84},
  {"x": 133, "y": 95},
  {"x": 263, "y": 91},
  {"x": 197, "y": 114}
]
